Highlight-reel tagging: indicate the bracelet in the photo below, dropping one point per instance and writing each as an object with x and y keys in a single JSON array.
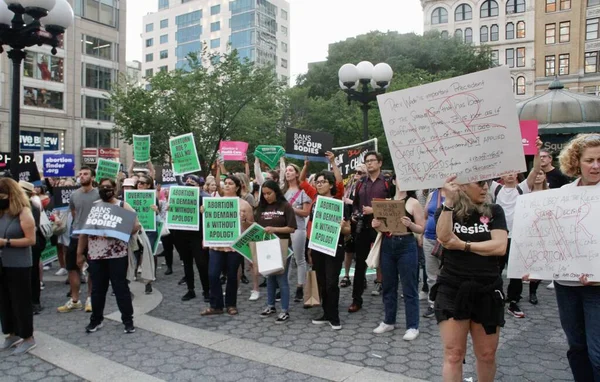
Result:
[
  {"x": 446, "y": 208},
  {"x": 467, "y": 246}
]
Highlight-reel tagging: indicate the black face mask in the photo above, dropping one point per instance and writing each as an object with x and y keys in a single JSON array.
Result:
[
  {"x": 4, "y": 204},
  {"x": 106, "y": 194}
]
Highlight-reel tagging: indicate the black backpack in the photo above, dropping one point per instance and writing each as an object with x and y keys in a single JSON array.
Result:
[{"x": 497, "y": 191}]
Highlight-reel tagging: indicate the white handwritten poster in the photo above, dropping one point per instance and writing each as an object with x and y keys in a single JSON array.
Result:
[
  {"x": 465, "y": 125},
  {"x": 555, "y": 235}
]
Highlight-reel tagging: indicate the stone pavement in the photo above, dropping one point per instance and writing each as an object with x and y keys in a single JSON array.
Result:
[{"x": 174, "y": 343}]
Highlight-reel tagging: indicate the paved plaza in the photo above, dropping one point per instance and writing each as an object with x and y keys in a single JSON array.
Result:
[{"x": 173, "y": 343}]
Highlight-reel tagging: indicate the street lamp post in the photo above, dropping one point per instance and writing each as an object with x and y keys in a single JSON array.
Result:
[
  {"x": 372, "y": 80},
  {"x": 25, "y": 23}
]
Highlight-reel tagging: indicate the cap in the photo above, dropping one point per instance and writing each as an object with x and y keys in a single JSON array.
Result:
[
  {"x": 26, "y": 186},
  {"x": 196, "y": 179},
  {"x": 129, "y": 182}
]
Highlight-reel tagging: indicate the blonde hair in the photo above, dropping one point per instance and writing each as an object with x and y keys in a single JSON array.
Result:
[
  {"x": 571, "y": 155},
  {"x": 17, "y": 198},
  {"x": 464, "y": 207},
  {"x": 286, "y": 184},
  {"x": 245, "y": 182}
]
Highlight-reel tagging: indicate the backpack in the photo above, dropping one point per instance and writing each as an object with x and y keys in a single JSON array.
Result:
[{"x": 497, "y": 191}]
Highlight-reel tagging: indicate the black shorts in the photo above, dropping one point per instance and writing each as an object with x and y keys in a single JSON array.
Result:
[{"x": 71, "y": 257}]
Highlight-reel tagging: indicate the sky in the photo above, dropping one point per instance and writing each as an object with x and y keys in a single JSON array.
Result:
[{"x": 314, "y": 24}]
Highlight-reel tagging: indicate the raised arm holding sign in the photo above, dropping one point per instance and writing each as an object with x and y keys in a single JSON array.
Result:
[{"x": 184, "y": 154}]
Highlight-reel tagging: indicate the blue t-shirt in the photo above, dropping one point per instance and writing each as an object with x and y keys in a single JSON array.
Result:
[{"x": 431, "y": 208}]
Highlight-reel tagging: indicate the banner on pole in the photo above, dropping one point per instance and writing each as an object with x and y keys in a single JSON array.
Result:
[
  {"x": 184, "y": 210},
  {"x": 58, "y": 165},
  {"x": 107, "y": 169},
  {"x": 142, "y": 201},
  {"x": 221, "y": 221},
  {"x": 327, "y": 225},
  {"x": 184, "y": 154},
  {"x": 313, "y": 144},
  {"x": 106, "y": 219},
  {"x": 141, "y": 148},
  {"x": 348, "y": 158}
]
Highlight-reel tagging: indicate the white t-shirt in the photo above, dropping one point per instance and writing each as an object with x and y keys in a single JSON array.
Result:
[{"x": 507, "y": 199}]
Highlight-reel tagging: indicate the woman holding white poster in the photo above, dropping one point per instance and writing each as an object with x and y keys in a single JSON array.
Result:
[{"x": 579, "y": 301}]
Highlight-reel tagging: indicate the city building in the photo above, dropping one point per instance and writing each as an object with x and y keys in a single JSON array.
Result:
[
  {"x": 506, "y": 26},
  {"x": 134, "y": 72},
  {"x": 258, "y": 29},
  {"x": 568, "y": 44},
  {"x": 63, "y": 99}
]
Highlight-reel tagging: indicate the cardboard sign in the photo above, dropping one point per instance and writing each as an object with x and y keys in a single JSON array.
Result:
[
  {"x": 107, "y": 169},
  {"x": 141, "y": 148},
  {"x": 142, "y": 201},
  {"x": 62, "y": 197},
  {"x": 555, "y": 235},
  {"x": 349, "y": 157},
  {"x": 465, "y": 125},
  {"x": 221, "y": 221},
  {"x": 184, "y": 208},
  {"x": 106, "y": 219},
  {"x": 59, "y": 165},
  {"x": 327, "y": 225},
  {"x": 302, "y": 143},
  {"x": 529, "y": 134},
  {"x": 184, "y": 154},
  {"x": 269, "y": 154},
  {"x": 234, "y": 151},
  {"x": 389, "y": 212}
]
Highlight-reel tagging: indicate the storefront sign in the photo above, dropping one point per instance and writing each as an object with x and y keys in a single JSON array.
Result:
[
  {"x": 108, "y": 153},
  {"x": 32, "y": 141},
  {"x": 89, "y": 155}
]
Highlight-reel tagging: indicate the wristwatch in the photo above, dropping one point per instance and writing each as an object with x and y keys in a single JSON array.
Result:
[
  {"x": 7, "y": 244},
  {"x": 446, "y": 208}
]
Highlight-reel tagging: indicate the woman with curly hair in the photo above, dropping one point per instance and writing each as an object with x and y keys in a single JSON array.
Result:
[{"x": 579, "y": 301}]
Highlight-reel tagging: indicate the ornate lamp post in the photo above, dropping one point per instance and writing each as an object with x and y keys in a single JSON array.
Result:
[
  {"x": 25, "y": 23},
  {"x": 360, "y": 77}
]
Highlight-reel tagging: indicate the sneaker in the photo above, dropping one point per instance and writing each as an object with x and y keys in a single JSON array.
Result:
[
  {"x": 88, "y": 305},
  {"x": 278, "y": 296},
  {"x": 169, "y": 271},
  {"x": 299, "y": 295},
  {"x": 283, "y": 317},
  {"x": 411, "y": 334},
  {"x": 383, "y": 327},
  {"x": 345, "y": 282},
  {"x": 46, "y": 268},
  {"x": 335, "y": 325},
  {"x": 223, "y": 280},
  {"x": 377, "y": 290},
  {"x": 533, "y": 298},
  {"x": 61, "y": 272},
  {"x": 42, "y": 285},
  {"x": 423, "y": 295},
  {"x": 320, "y": 321},
  {"x": 514, "y": 309},
  {"x": 129, "y": 328},
  {"x": 92, "y": 328},
  {"x": 254, "y": 295},
  {"x": 189, "y": 295},
  {"x": 10, "y": 342},
  {"x": 551, "y": 285},
  {"x": 181, "y": 282},
  {"x": 148, "y": 288},
  {"x": 37, "y": 309},
  {"x": 430, "y": 312},
  {"x": 70, "y": 306},
  {"x": 244, "y": 280},
  {"x": 263, "y": 284},
  {"x": 24, "y": 347},
  {"x": 268, "y": 311}
]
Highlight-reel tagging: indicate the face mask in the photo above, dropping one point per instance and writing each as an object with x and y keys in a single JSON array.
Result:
[
  {"x": 4, "y": 204},
  {"x": 106, "y": 194}
]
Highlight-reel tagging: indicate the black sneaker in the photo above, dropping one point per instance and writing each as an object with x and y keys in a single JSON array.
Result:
[
  {"x": 206, "y": 297},
  {"x": 189, "y": 295},
  {"x": 278, "y": 297},
  {"x": 37, "y": 309},
  {"x": 129, "y": 328},
  {"x": 283, "y": 317},
  {"x": 335, "y": 325},
  {"x": 169, "y": 271},
  {"x": 514, "y": 309},
  {"x": 92, "y": 328},
  {"x": 244, "y": 280},
  {"x": 149, "y": 288},
  {"x": 299, "y": 295},
  {"x": 533, "y": 298},
  {"x": 182, "y": 281},
  {"x": 320, "y": 321},
  {"x": 430, "y": 312},
  {"x": 263, "y": 284},
  {"x": 267, "y": 312}
]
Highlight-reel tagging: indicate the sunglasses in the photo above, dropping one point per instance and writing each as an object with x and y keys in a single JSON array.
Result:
[
  {"x": 482, "y": 183},
  {"x": 146, "y": 183},
  {"x": 360, "y": 172}
]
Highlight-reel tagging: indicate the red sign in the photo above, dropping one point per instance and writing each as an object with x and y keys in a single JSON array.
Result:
[
  {"x": 529, "y": 133},
  {"x": 89, "y": 152},
  {"x": 108, "y": 153}
]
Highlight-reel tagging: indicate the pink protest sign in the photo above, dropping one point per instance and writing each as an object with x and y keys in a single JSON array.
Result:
[
  {"x": 529, "y": 133},
  {"x": 231, "y": 150}
]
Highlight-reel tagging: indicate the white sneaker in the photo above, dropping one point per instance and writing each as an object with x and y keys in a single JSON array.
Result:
[
  {"x": 411, "y": 334},
  {"x": 61, "y": 272},
  {"x": 255, "y": 295},
  {"x": 551, "y": 285},
  {"x": 423, "y": 295},
  {"x": 46, "y": 268},
  {"x": 88, "y": 305},
  {"x": 383, "y": 327}
]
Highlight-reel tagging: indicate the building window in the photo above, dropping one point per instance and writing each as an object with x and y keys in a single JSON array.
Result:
[
  {"x": 521, "y": 85},
  {"x": 494, "y": 33},
  {"x": 521, "y": 29},
  {"x": 510, "y": 58},
  {"x": 468, "y": 36},
  {"x": 98, "y": 77},
  {"x": 188, "y": 34},
  {"x": 483, "y": 34},
  {"x": 458, "y": 34},
  {"x": 550, "y": 6},
  {"x": 550, "y": 66},
  {"x": 439, "y": 16},
  {"x": 44, "y": 98},
  {"x": 488, "y": 9},
  {"x": 565, "y": 31},
  {"x": 215, "y": 43},
  {"x": 591, "y": 62},
  {"x": 97, "y": 108},
  {"x": 149, "y": 27},
  {"x": 591, "y": 90},
  {"x": 215, "y": 9},
  {"x": 97, "y": 137},
  {"x": 214, "y": 27},
  {"x": 563, "y": 64},
  {"x": 550, "y": 34},
  {"x": 101, "y": 11},
  {"x": 495, "y": 58},
  {"x": 444, "y": 34},
  {"x": 164, "y": 23},
  {"x": 149, "y": 57},
  {"x": 591, "y": 3},
  {"x": 162, "y": 4},
  {"x": 149, "y": 42},
  {"x": 565, "y": 4},
  {"x": 510, "y": 31},
  {"x": 515, "y": 6},
  {"x": 164, "y": 54},
  {"x": 284, "y": 30},
  {"x": 591, "y": 29},
  {"x": 149, "y": 73},
  {"x": 99, "y": 48},
  {"x": 284, "y": 63},
  {"x": 164, "y": 38},
  {"x": 284, "y": 47},
  {"x": 43, "y": 67},
  {"x": 463, "y": 12},
  {"x": 520, "y": 57},
  {"x": 163, "y": 69},
  {"x": 188, "y": 19},
  {"x": 284, "y": 14}
]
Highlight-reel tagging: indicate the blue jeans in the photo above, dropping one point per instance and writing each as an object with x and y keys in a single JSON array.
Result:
[
  {"x": 284, "y": 288},
  {"x": 579, "y": 310},
  {"x": 399, "y": 257},
  {"x": 215, "y": 265}
]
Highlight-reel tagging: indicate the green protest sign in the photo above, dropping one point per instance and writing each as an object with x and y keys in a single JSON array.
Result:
[
  {"x": 49, "y": 254},
  {"x": 141, "y": 148},
  {"x": 142, "y": 201},
  {"x": 327, "y": 225},
  {"x": 269, "y": 154},
  {"x": 184, "y": 154},
  {"x": 107, "y": 169},
  {"x": 221, "y": 221},
  {"x": 184, "y": 208},
  {"x": 254, "y": 233}
]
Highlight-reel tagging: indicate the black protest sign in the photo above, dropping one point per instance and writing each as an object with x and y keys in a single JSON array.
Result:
[
  {"x": 62, "y": 197},
  {"x": 109, "y": 220},
  {"x": 164, "y": 174},
  {"x": 349, "y": 157},
  {"x": 301, "y": 143},
  {"x": 28, "y": 171}
]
